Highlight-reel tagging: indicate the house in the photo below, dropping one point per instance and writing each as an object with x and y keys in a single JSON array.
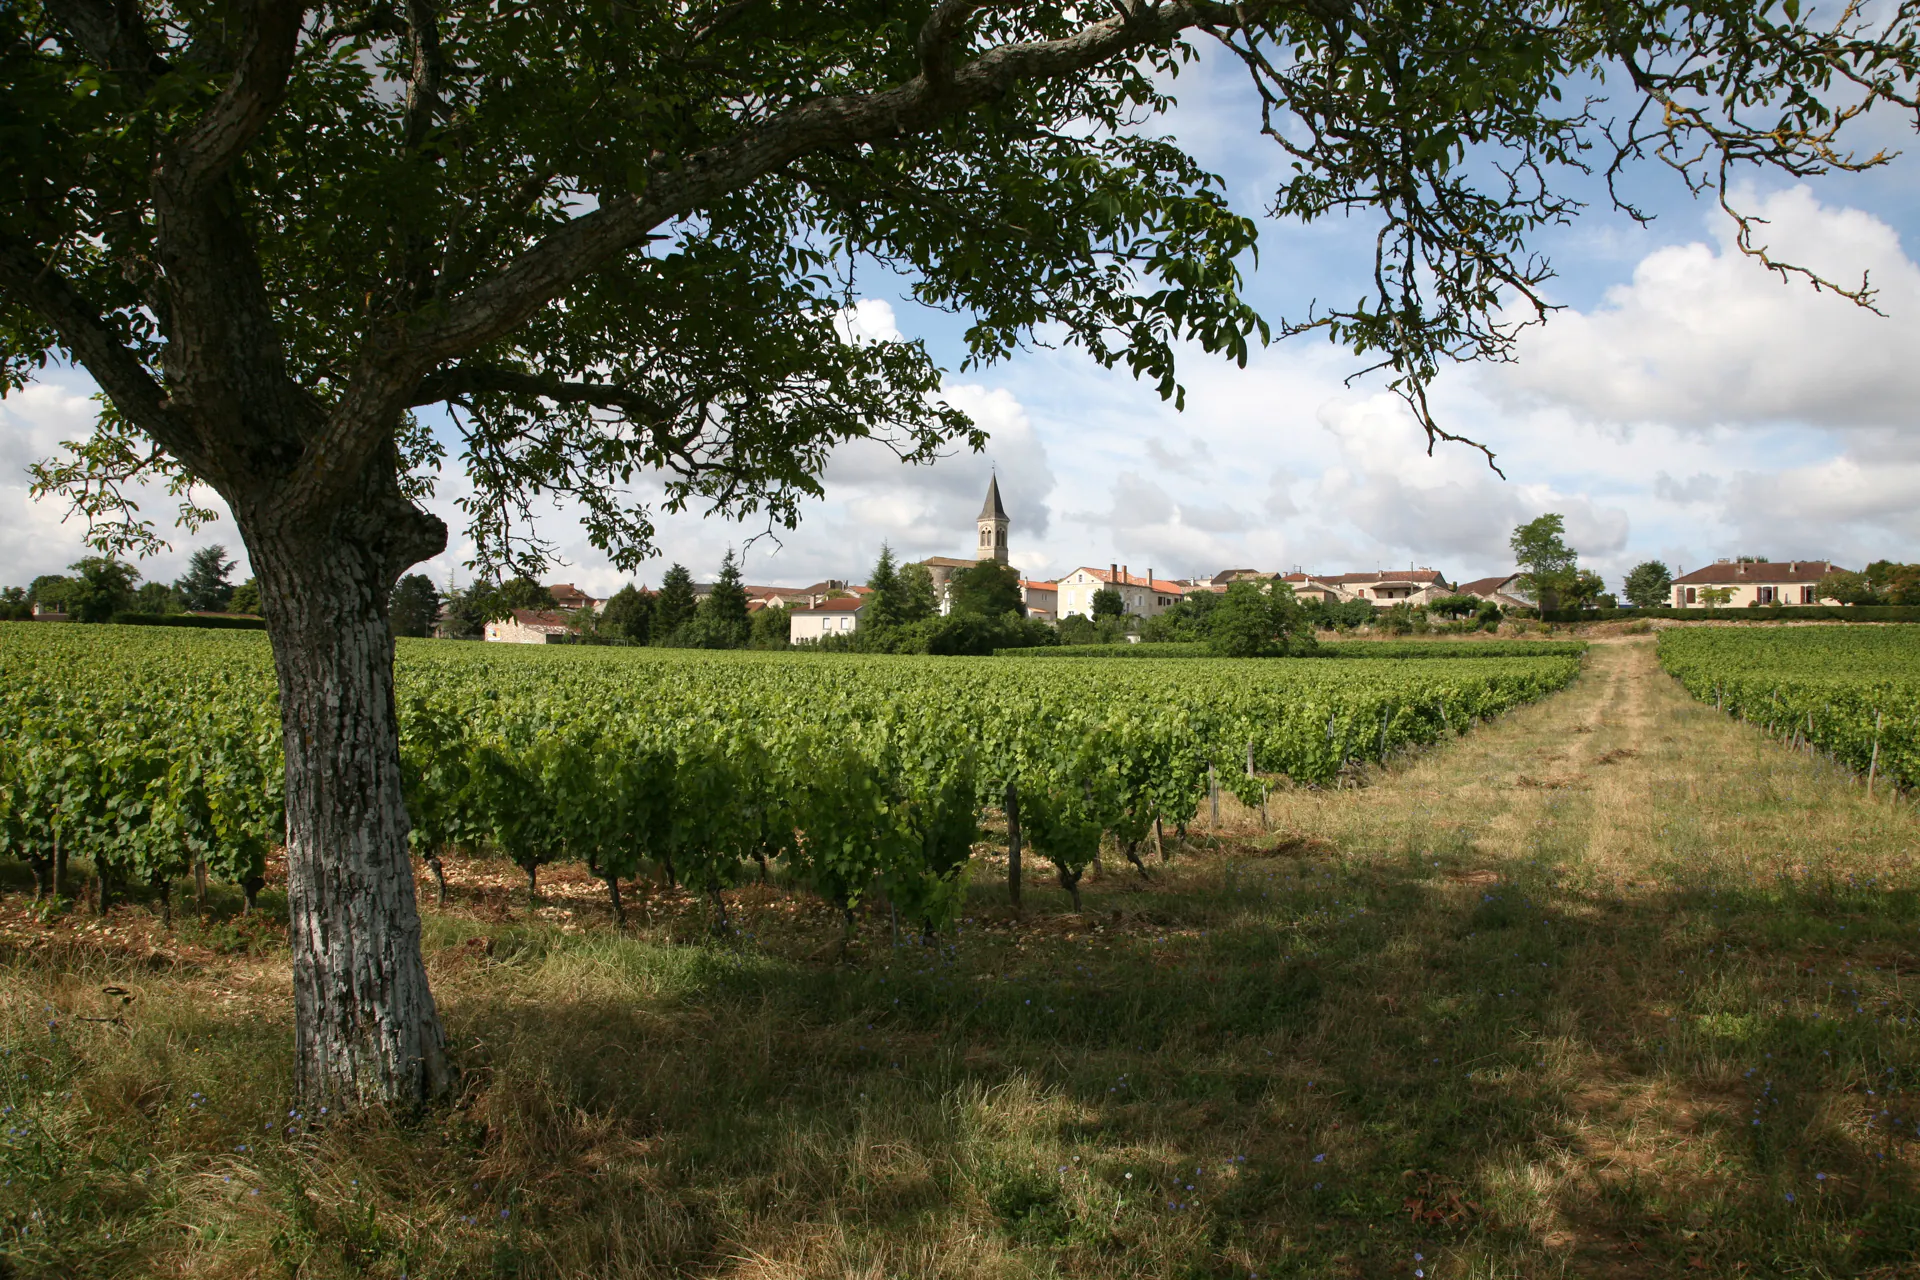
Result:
[
  {"x": 836, "y": 617},
  {"x": 530, "y": 626},
  {"x": 1042, "y": 599},
  {"x": 1753, "y": 582},
  {"x": 571, "y": 599},
  {"x": 1382, "y": 587},
  {"x": 1139, "y": 597},
  {"x": 1500, "y": 591}
]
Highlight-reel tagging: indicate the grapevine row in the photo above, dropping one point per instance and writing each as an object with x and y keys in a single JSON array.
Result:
[
  {"x": 1851, "y": 692},
  {"x": 153, "y": 752}
]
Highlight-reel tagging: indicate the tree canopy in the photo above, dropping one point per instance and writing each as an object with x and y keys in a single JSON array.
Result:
[{"x": 1648, "y": 585}]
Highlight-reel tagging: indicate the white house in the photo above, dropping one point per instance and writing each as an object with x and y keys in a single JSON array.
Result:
[
  {"x": 836, "y": 617},
  {"x": 1499, "y": 590},
  {"x": 1751, "y": 582},
  {"x": 529, "y": 626},
  {"x": 1042, "y": 599},
  {"x": 1139, "y": 597},
  {"x": 1384, "y": 587}
]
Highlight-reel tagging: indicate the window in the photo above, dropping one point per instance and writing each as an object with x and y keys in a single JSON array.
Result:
[
  {"x": 1693, "y": 597},
  {"x": 1763, "y": 595},
  {"x": 1806, "y": 595}
]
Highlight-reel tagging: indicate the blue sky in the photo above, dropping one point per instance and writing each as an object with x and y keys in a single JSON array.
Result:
[{"x": 1684, "y": 405}]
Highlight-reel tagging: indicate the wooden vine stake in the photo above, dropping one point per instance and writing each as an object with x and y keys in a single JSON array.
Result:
[
  {"x": 1873, "y": 766},
  {"x": 1013, "y": 844},
  {"x": 1213, "y": 793}
]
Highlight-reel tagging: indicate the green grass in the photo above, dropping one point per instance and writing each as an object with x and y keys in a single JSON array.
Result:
[{"x": 1509, "y": 1009}]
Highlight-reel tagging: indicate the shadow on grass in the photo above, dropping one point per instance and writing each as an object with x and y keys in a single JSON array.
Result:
[{"x": 1285, "y": 1065}]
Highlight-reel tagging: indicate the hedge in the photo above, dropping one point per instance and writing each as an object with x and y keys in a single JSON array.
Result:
[
  {"x": 1758, "y": 613},
  {"x": 218, "y": 622},
  {"x": 1326, "y": 649}
]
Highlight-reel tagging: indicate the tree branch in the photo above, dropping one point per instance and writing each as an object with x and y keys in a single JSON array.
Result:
[
  {"x": 468, "y": 379},
  {"x": 112, "y": 36},
  {"x": 251, "y": 97},
  {"x": 94, "y": 344},
  {"x": 498, "y": 305}
]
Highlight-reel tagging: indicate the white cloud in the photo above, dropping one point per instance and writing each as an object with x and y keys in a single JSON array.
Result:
[
  {"x": 41, "y": 536},
  {"x": 1705, "y": 335}
]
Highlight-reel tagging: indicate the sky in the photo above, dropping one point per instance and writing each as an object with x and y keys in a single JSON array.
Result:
[{"x": 1684, "y": 404}]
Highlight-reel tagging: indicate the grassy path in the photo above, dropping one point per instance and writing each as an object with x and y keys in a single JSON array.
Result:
[{"x": 1610, "y": 987}]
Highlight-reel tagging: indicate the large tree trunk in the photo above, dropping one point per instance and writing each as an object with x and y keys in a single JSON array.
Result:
[{"x": 365, "y": 1025}]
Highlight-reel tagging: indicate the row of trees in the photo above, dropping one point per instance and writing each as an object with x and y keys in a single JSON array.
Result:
[
  {"x": 984, "y": 612},
  {"x": 96, "y": 588}
]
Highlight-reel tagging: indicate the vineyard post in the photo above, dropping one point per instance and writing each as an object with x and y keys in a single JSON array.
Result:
[
  {"x": 1013, "y": 843},
  {"x": 1873, "y": 766},
  {"x": 1159, "y": 839},
  {"x": 200, "y": 885},
  {"x": 1213, "y": 792},
  {"x": 1249, "y": 757}
]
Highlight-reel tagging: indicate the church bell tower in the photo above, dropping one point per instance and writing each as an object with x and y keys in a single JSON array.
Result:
[{"x": 993, "y": 524}]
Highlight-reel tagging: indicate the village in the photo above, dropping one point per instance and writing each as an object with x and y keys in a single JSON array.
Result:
[{"x": 836, "y": 607}]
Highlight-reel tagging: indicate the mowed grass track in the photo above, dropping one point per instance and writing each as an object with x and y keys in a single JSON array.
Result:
[{"x": 1512, "y": 1008}]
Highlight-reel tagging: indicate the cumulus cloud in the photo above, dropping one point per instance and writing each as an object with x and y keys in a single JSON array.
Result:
[
  {"x": 1704, "y": 335},
  {"x": 1698, "y": 487}
]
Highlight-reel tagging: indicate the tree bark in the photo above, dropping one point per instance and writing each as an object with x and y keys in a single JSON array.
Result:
[{"x": 365, "y": 1026}]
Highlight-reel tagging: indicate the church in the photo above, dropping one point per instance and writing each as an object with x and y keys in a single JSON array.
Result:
[{"x": 992, "y": 527}]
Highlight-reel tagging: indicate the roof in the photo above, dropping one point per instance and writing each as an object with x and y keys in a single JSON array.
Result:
[
  {"x": 1735, "y": 573},
  {"x": 543, "y": 620},
  {"x": 948, "y": 562},
  {"x": 1484, "y": 586},
  {"x": 844, "y": 604},
  {"x": 1133, "y": 580},
  {"x": 566, "y": 590},
  {"x": 1388, "y": 575},
  {"x": 991, "y": 508},
  {"x": 1238, "y": 575},
  {"x": 1039, "y": 586}
]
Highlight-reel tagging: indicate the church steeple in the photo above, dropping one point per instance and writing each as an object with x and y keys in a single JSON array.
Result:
[{"x": 993, "y": 525}]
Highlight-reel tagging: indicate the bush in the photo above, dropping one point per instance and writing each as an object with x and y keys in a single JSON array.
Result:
[{"x": 1763, "y": 613}]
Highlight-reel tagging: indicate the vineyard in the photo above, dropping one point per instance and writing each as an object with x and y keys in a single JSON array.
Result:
[
  {"x": 1850, "y": 692},
  {"x": 157, "y": 754}
]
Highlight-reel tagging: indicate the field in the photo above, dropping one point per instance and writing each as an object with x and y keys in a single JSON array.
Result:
[{"x": 1613, "y": 985}]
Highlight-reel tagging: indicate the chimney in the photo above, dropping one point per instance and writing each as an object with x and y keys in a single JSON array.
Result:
[
  {"x": 1156, "y": 599},
  {"x": 1794, "y": 567},
  {"x": 1113, "y": 575},
  {"x": 1126, "y": 576}
]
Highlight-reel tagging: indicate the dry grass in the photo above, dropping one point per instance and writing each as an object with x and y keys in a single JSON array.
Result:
[{"x": 1510, "y": 1008}]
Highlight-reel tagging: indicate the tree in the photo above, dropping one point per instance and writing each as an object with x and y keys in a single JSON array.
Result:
[
  {"x": 1548, "y": 566},
  {"x": 522, "y": 592},
  {"x": 273, "y": 232},
  {"x": 1894, "y": 583},
  {"x": 918, "y": 599},
  {"x": 464, "y": 614},
  {"x": 987, "y": 590},
  {"x": 1649, "y": 585},
  {"x": 1843, "y": 586},
  {"x": 1252, "y": 622},
  {"x": 205, "y": 589},
  {"x": 887, "y": 606},
  {"x": 1585, "y": 589},
  {"x": 1716, "y": 597},
  {"x": 246, "y": 598},
  {"x": 52, "y": 592},
  {"x": 1107, "y": 602},
  {"x": 772, "y": 628},
  {"x": 724, "y": 614},
  {"x": 673, "y": 605},
  {"x": 105, "y": 587},
  {"x": 1454, "y": 606},
  {"x": 415, "y": 606},
  {"x": 156, "y": 597},
  {"x": 628, "y": 615}
]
